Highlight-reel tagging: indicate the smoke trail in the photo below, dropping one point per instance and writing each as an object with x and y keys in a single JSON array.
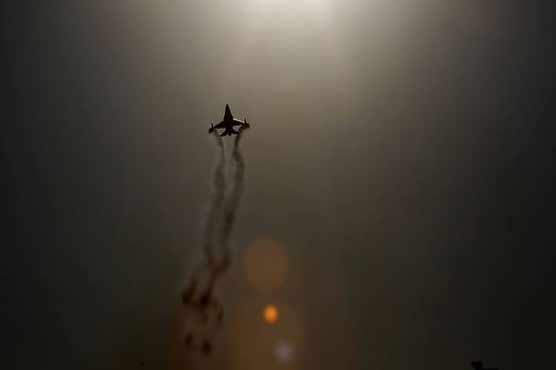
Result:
[
  {"x": 219, "y": 264},
  {"x": 236, "y": 190},
  {"x": 197, "y": 296},
  {"x": 215, "y": 202}
]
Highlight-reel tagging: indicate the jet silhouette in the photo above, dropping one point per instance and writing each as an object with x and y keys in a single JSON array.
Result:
[{"x": 228, "y": 124}]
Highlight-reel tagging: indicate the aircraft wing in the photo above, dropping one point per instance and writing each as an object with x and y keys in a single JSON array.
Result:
[
  {"x": 220, "y": 125},
  {"x": 238, "y": 122}
]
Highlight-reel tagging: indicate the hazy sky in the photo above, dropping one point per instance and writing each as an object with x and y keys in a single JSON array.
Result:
[{"x": 400, "y": 156}]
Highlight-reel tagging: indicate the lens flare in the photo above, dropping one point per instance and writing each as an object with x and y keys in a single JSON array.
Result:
[
  {"x": 266, "y": 265},
  {"x": 270, "y": 314},
  {"x": 283, "y": 351}
]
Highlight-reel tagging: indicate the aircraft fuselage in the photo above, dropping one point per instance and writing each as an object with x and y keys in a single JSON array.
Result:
[{"x": 228, "y": 124}]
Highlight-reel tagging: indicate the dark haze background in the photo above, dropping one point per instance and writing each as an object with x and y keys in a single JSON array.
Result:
[{"x": 401, "y": 151}]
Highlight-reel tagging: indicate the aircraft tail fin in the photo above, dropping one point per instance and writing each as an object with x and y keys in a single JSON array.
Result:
[{"x": 228, "y": 113}]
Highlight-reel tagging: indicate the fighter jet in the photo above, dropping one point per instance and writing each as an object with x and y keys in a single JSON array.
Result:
[{"x": 228, "y": 124}]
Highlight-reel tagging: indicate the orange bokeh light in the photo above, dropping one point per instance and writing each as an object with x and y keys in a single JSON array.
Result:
[{"x": 270, "y": 314}]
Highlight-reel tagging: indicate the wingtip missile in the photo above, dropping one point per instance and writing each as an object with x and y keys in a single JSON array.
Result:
[{"x": 245, "y": 124}]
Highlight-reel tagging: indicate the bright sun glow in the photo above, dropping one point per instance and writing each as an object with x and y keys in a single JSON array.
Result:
[{"x": 287, "y": 11}]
